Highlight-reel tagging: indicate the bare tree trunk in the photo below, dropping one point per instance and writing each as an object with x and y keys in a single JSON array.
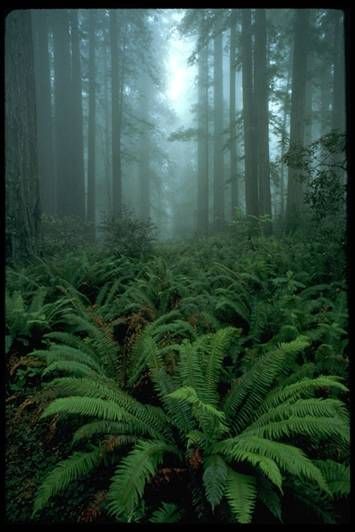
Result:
[
  {"x": 66, "y": 204},
  {"x": 108, "y": 161},
  {"x": 232, "y": 114},
  {"x": 262, "y": 114},
  {"x": 92, "y": 123},
  {"x": 145, "y": 147},
  {"x": 22, "y": 183},
  {"x": 44, "y": 111},
  {"x": 218, "y": 165},
  {"x": 202, "y": 147},
  {"x": 116, "y": 134},
  {"x": 77, "y": 118},
  {"x": 299, "y": 69},
  {"x": 251, "y": 184}
]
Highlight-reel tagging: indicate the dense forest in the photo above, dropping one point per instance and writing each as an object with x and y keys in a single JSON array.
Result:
[{"x": 176, "y": 315}]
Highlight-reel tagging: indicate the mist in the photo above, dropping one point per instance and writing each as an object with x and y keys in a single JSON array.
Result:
[{"x": 176, "y": 329}]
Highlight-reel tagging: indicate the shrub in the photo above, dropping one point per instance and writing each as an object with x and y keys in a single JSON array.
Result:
[
  {"x": 66, "y": 233},
  {"x": 127, "y": 235}
]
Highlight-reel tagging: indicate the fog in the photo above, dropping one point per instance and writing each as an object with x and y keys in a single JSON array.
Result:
[
  {"x": 177, "y": 332},
  {"x": 147, "y": 110}
]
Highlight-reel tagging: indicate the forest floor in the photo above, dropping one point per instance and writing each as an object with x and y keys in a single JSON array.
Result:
[{"x": 269, "y": 290}]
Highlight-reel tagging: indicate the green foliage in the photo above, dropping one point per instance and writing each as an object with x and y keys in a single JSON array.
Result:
[
  {"x": 69, "y": 233},
  {"x": 127, "y": 235},
  {"x": 221, "y": 366}
]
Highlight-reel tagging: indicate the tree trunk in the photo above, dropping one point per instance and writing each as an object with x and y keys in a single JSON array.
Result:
[
  {"x": 299, "y": 69},
  {"x": 262, "y": 114},
  {"x": 43, "y": 111},
  {"x": 251, "y": 184},
  {"x": 218, "y": 165},
  {"x": 66, "y": 204},
  {"x": 116, "y": 133},
  {"x": 92, "y": 124},
  {"x": 283, "y": 145},
  {"x": 108, "y": 161},
  {"x": 77, "y": 118},
  {"x": 22, "y": 183},
  {"x": 144, "y": 162},
  {"x": 338, "y": 114},
  {"x": 202, "y": 146},
  {"x": 232, "y": 114}
]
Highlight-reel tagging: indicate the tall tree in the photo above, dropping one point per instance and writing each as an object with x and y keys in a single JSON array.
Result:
[
  {"x": 22, "y": 183},
  {"x": 77, "y": 118},
  {"x": 202, "y": 146},
  {"x": 251, "y": 184},
  {"x": 218, "y": 162},
  {"x": 145, "y": 148},
  {"x": 299, "y": 70},
  {"x": 92, "y": 121},
  {"x": 232, "y": 113},
  {"x": 66, "y": 203},
  {"x": 107, "y": 143},
  {"x": 116, "y": 132},
  {"x": 43, "y": 111},
  {"x": 338, "y": 104},
  {"x": 262, "y": 113}
]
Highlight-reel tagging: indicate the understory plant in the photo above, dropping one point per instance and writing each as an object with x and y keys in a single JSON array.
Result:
[{"x": 229, "y": 447}]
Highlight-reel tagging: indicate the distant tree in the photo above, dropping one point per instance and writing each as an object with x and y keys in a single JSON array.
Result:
[
  {"x": 116, "y": 125},
  {"x": 77, "y": 117},
  {"x": 21, "y": 171},
  {"x": 251, "y": 184},
  {"x": 45, "y": 147},
  {"x": 66, "y": 203},
  {"x": 218, "y": 160},
  {"x": 232, "y": 111},
  {"x": 145, "y": 148},
  {"x": 91, "y": 201},
  {"x": 202, "y": 145},
  {"x": 262, "y": 113},
  {"x": 299, "y": 70}
]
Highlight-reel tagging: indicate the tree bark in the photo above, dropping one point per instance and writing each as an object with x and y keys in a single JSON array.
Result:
[
  {"x": 144, "y": 162},
  {"x": 218, "y": 164},
  {"x": 21, "y": 170},
  {"x": 202, "y": 146},
  {"x": 262, "y": 114},
  {"x": 299, "y": 69},
  {"x": 116, "y": 133},
  {"x": 92, "y": 123},
  {"x": 66, "y": 202},
  {"x": 232, "y": 114},
  {"x": 45, "y": 147},
  {"x": 77, "y": 118},
  {"x": 251, "y": 184}
]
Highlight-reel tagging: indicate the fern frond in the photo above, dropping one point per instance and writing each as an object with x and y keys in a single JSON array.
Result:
[
  {"x": 132, "y": 474},
  {"x": 336, "y": 475},
  {"x": 214, "y": 479},
  {"x": 86, "y": 406},
  {"x": 76, "y": 466},
  {"x": 217, "y": 350},
  {"x": 289, "y": 459},
  {"x": 241, "y": 495},
  {"x": 167, "y": 513},
  {"x": 302, "y": 388},
  {"x": 267, "y": 466},
  {"x": 247, "y": 394}
]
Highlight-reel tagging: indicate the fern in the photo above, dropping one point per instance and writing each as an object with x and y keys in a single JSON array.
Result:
[
  {"x": 214, "y": 479},
  {"x": 131, "y": 476},
  {"x": 241, "y": 495},
  {"x": 67, "y": 471},
  {"x": 167, "y": 513}
]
